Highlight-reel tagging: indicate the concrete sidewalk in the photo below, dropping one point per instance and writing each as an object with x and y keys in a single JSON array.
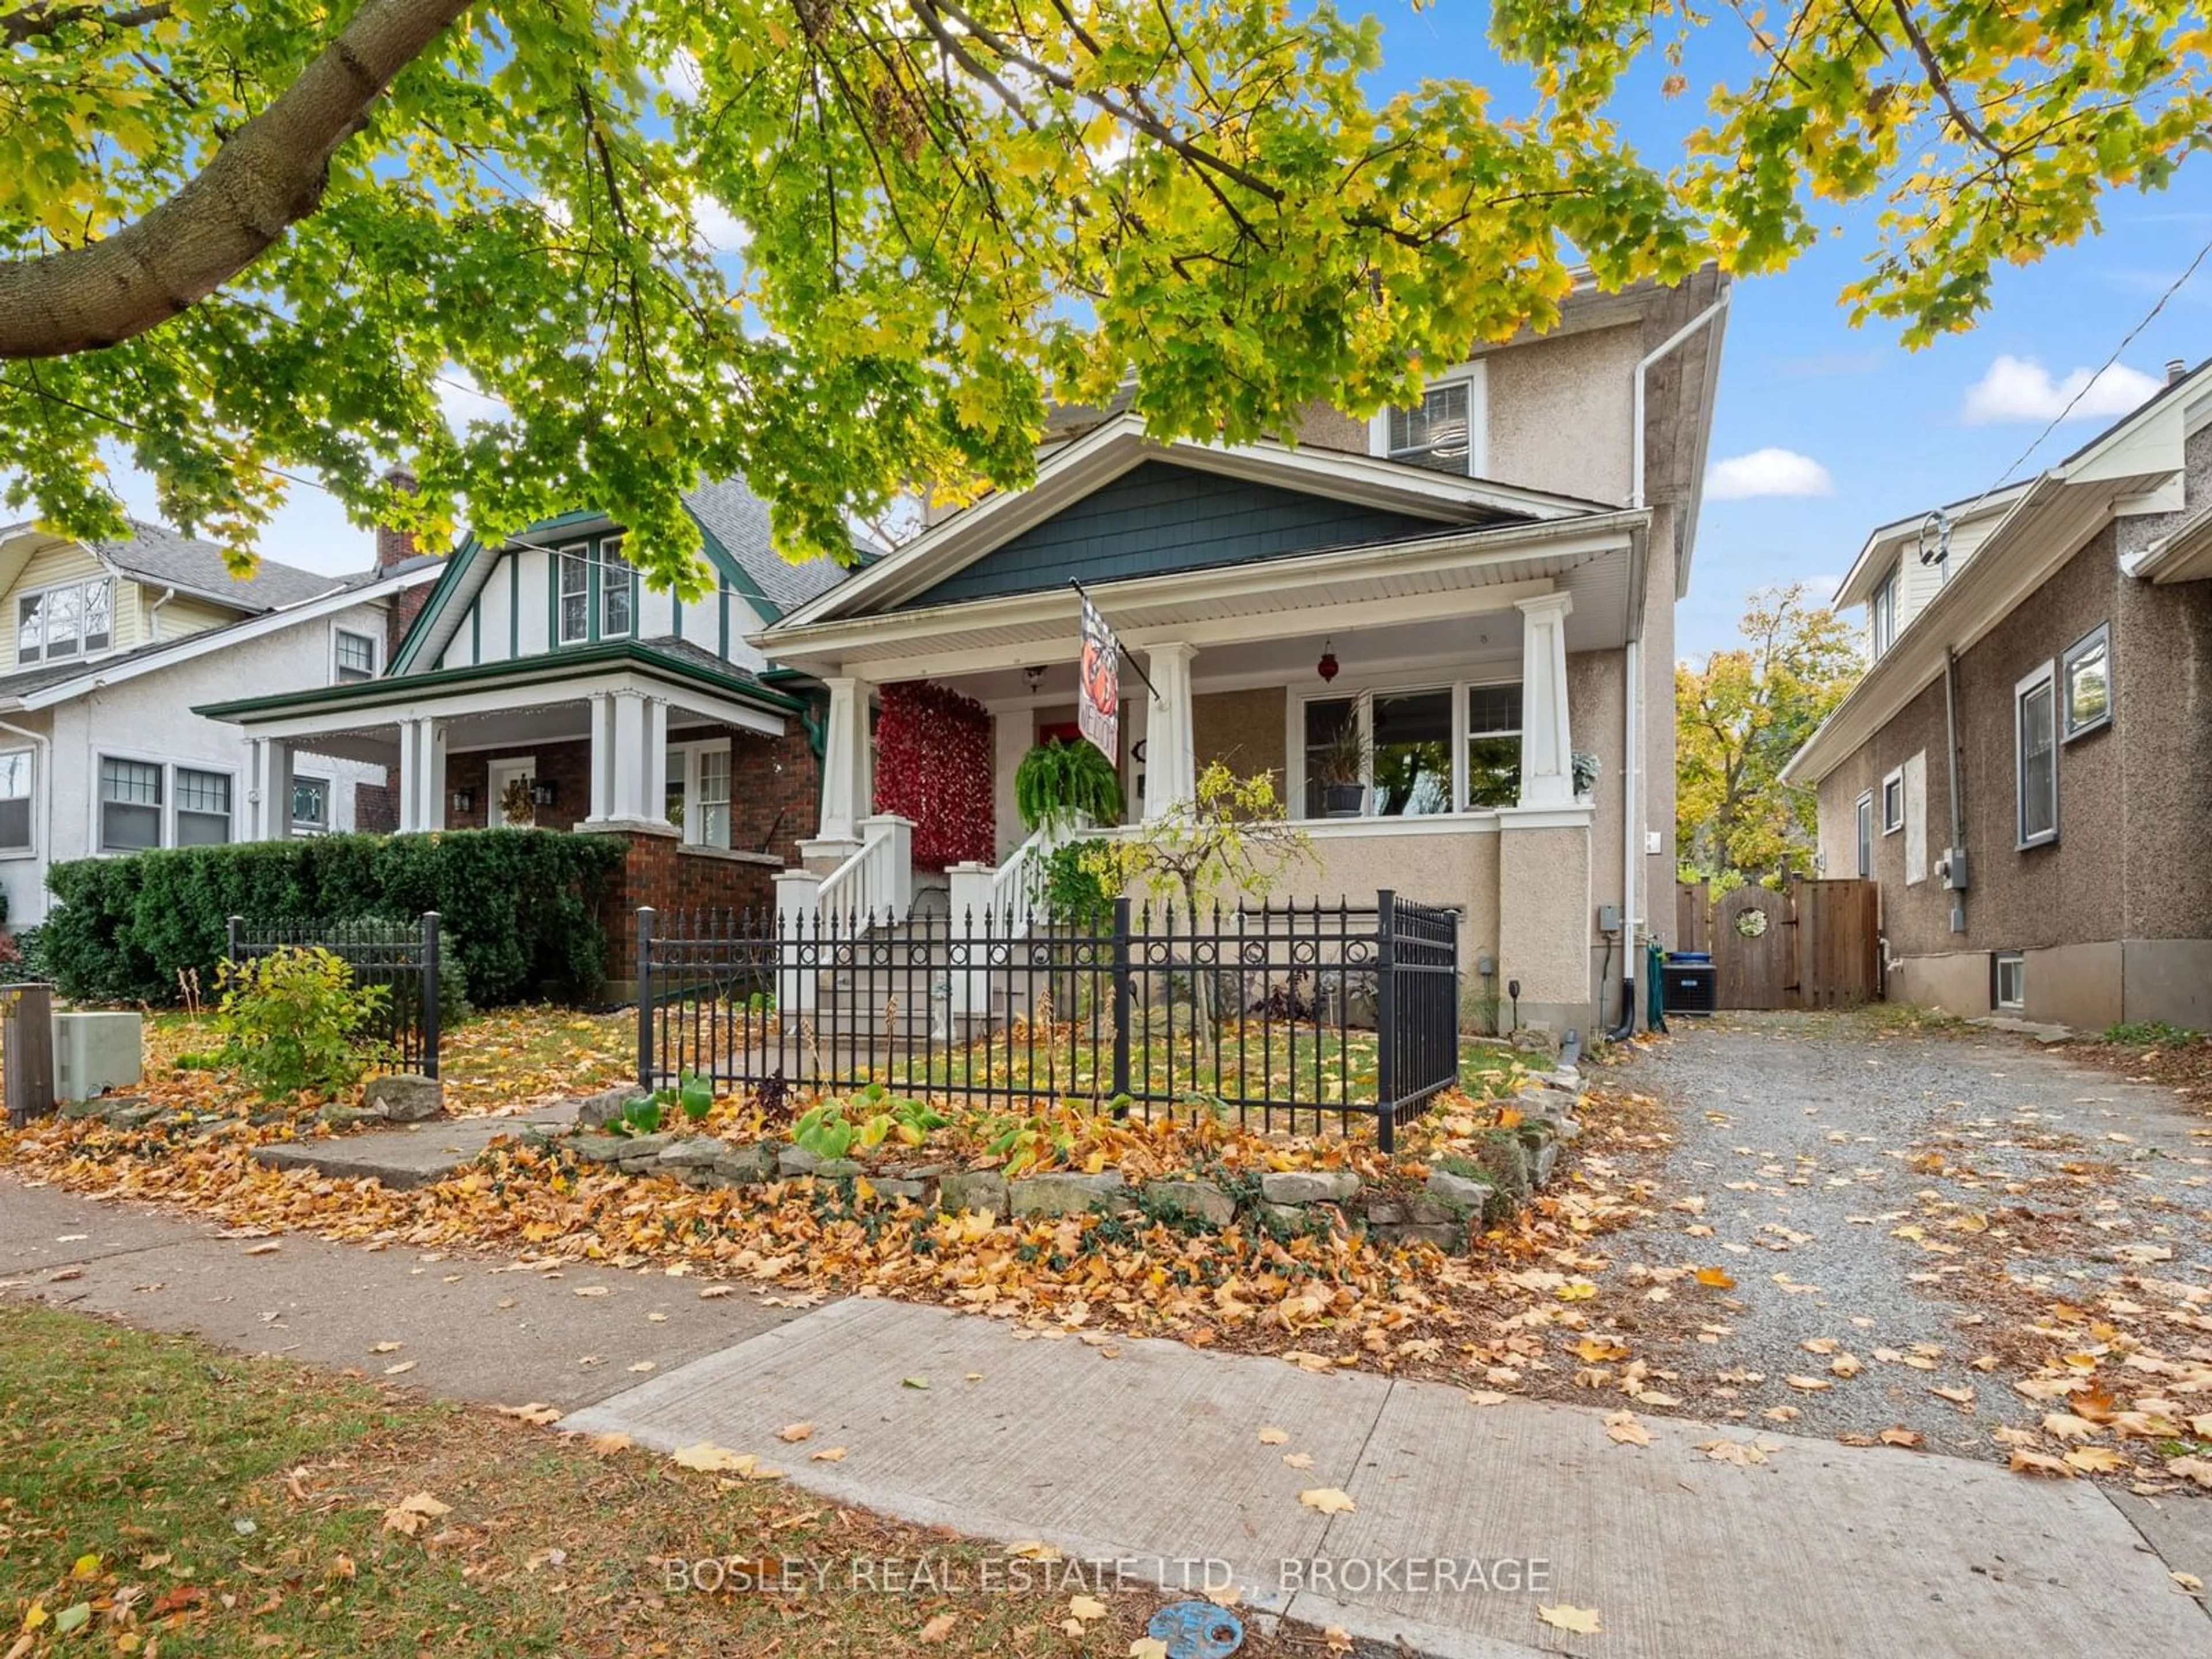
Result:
[{"x": 1150, "y": 1452}]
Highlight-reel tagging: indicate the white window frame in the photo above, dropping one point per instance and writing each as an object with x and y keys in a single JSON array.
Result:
[
  {"x": 338, "y": 635},
  {"x": 689, "y": 752},
  {"x": 581, "y": 554},
  {"x": 168, "y": 768},
  {"x": 2100, "y": 636},
  {"x": 1362, "y": 696},
  {"x": 1881, "y": 613},
  {"x": 2000, "y": 960},
  {"x": 30, "y": 799},
  {"x": 179, "y": 811},
  {"x": 610, "y": 548},
  {"x": 311, "y": 826},
  {"x": 1475, "y": 376},
  {"x": 99, "y": 803},
  {"x": 2045, "y": 678},
  {"x": 82, "y": 585},
  {"x": 1865, "y": 832},
  {"x": 1895, "y": 780}
]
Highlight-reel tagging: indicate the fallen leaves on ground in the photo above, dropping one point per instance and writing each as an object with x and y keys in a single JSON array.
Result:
[{"x": 1583, "y": 1621}]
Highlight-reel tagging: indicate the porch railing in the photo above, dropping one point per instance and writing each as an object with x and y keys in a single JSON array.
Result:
[
  {"x": 1288, "y": 1017},
  {"x": 879, "y": 878},
  {"x": 402, "y": 956}
]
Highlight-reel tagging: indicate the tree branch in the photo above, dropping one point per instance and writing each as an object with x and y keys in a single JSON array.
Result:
[
  {"x": 1940, "y": 83},
  {"x": 29, "y": 23},
  {"x": 268, "y": 177}
]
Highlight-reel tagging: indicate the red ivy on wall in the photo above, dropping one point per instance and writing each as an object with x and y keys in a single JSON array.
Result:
[{"x": 933, "y": 765}]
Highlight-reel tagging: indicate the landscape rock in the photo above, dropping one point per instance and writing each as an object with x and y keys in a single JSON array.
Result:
[
  {"x": 406, "y": 1097},
  {"x": 1309, "y": 1186},
  {"x": 1448, "y": 1236},
  {"x": 1067, "y": 1195},
  {"x": 1546, "y": 1159},
  {"x": 641, "y": 1151},
  {"x": 1288, "y": 1218},
  {"x": 1505, "y": 1162},
  {"x": 97, "y": 1106},
  {"x": 797, "y": 1161},
  {"x": 597, "y": 1149},
  {"x": 594, "y": 1110},
  {"x": 962, "y": 1190},
  {"x": 129, "y": 1112},
  {"x": 1414, "y": 1209},
  {"x": 1465, "y": 1193},
  {"x": 742, "y": 1166},
  {"x": 693, "y": 1153},
  {"x": 1200, "y": 1199},
  {"x": 906, "y": 1187},
  {"x": 341, "y": 1116}
]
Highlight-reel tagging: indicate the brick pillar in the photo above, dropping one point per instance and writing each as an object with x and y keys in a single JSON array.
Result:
[{"x": 394, "y": 548}]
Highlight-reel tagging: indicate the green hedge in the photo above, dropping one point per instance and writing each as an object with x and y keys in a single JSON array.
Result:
[{"x": 518, "y": 906}]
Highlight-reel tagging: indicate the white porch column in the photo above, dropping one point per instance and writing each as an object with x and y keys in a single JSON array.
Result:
[
  {"x": 603, "y": 755},
  {"x": 272, "y": 789},
  {"x": 410, "y": 779},
  {"x": 430, "y": 752},
  {"x": 848, "y": 790},
  {"x": 1546, "y": 748},
  {"x": 629, "y": 756},
  {"x": 653, "y": 804},
  {"x": 1171, "y": 757}
]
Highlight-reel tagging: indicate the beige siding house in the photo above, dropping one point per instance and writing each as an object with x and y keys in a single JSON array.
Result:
[
  {"x": 2026, "y": 768},
  {"x": 1483, "y": 586}
]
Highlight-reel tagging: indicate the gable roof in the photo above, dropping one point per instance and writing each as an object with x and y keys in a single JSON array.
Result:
[
  {"x": 1402, "y": 493},
  {"x": 735, "y": 533},
  {"x": 55, "y": 683},
  {"x": 156, "y": 554}
]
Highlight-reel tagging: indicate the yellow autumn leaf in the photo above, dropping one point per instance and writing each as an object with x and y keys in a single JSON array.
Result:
[
  {"x": 1583, "y": 1621},
  {"x": 1328, "y": 1500}
]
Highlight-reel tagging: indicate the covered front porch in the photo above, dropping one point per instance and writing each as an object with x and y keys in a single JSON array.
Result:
[{"x": 1422, "y": 707}]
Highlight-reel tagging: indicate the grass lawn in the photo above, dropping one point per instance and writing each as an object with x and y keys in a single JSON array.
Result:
[{"x": 161, "y": 1497}]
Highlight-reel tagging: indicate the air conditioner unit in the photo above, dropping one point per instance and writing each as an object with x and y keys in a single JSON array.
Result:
[{"x": 96, "y": 1053}]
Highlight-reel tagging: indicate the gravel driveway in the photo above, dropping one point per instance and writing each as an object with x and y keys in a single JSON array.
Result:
[{"x": 1908, "y": 1201}]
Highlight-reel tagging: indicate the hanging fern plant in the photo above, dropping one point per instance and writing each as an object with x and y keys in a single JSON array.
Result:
[{"x": 1056, "y": 780}]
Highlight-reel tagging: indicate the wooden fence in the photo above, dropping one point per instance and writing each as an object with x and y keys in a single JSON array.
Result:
[{"x": 1810, "y": 944}]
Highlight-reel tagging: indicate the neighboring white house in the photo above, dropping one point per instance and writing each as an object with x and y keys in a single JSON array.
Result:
[{"x": 110, "y": 646}]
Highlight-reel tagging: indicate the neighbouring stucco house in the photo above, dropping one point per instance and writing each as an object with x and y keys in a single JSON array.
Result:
[
  {"x": 110, "y": 645},
  {"x": 544, "y": 683},
  {"x": 1483, "y": 586},
  {"x": 2026, "y": 768}
]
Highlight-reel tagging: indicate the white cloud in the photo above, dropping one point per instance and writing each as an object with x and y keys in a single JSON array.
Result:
[
  {"x": 721, "y": 230},
  {"x": 2022, "y": 389},
  {"x": 1768, "y": 471}
]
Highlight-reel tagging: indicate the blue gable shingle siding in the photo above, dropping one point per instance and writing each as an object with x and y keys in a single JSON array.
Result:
[{"x": 1158, "y": 518}]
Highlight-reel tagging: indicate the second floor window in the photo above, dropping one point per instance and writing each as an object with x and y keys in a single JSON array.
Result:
[
  {"x": 596, "y": 593},
  {"x": 1884, "y": 609},
  {"x": 575, "y": 597},
  {"x": 356, "y": 657},
  {"x": 1435, "y": 434},
  {"x": 616, "y": 606},
  {"x": 59, "y": 623}
]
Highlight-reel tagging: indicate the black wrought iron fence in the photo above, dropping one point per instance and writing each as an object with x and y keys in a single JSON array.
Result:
[
  {"x": 1294, "y": 1014},
  {"x": 401, "y": 956}
]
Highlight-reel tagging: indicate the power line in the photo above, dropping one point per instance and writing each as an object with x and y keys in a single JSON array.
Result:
[{"x": 2172, "y": 289}]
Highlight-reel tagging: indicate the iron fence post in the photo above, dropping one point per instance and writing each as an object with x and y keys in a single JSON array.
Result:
[
  {"x": 230, "y": 927},
  {"x": 431, "y": 924},
  {"x": 1122, "y": 1089},
  {"x": 645, "y": 998},
  {"x": 1386, "y": 1019}
]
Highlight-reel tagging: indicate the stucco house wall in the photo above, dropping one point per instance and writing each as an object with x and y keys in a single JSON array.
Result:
[{"x": 150, "y": 717}]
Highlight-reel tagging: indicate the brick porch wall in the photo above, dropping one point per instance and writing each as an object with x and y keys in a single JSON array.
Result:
[
  {"x": 774, "y": 784},
  {"x": 661, "y": 871}
]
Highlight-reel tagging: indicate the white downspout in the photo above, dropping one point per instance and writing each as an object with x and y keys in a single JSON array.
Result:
[
  {"x": 153, "y": 616},
  {"x": 1633, "y": 656}
]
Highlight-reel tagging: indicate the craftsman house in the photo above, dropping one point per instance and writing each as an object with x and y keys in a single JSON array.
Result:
[
  {"x": 1482, "y": 588},
  {"x": 110, "y": 645},
  {"x": 543, "y": 684},
  {"x": 2024, "y": 769}
]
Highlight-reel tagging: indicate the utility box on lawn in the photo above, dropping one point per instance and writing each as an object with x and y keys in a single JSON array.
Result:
[
  {"x": 1691, "y": 982},
  {"x": 96, "y": 1053}
]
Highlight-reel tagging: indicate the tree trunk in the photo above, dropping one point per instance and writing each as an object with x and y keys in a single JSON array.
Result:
[{"x": 270, "y": 175}]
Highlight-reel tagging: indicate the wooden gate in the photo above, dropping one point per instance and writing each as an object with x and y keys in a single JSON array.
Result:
[{"x": 1811, "y": 945}]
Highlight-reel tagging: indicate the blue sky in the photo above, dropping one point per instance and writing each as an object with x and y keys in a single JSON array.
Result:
[{"x": 1807, "y": 403}]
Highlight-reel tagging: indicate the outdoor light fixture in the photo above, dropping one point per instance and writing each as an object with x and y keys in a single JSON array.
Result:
[
  {"x": 542, "y": 791},
  {"x": 1327, "y": 667},
  {"x": 464, "y": 800},
  {"x": 1035, "y": 675}
]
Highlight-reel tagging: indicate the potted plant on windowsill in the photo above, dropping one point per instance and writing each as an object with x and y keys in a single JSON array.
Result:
[{"x": 1340, "y": 767}]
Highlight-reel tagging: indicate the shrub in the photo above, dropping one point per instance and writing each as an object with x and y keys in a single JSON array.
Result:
[
  {"x": 292, "y": 1020},
  {"x": 519, "y": 908}
]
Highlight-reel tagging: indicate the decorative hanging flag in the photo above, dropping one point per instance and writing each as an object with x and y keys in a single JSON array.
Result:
[{"x": 1098, "y": 702}]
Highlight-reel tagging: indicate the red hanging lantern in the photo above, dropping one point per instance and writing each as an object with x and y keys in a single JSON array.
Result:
[{"x": 1327, "y": 668}]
